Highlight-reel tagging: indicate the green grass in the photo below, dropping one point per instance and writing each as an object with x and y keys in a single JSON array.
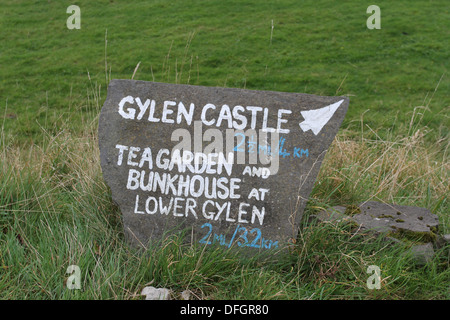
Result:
[
  {"x": 317, "y": 47},
  {"x": 56, "y": 211}
]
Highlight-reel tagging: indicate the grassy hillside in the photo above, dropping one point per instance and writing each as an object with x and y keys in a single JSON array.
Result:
[
  {"x": 56, "y": 211},
  {"x": 318, "y": 47}
]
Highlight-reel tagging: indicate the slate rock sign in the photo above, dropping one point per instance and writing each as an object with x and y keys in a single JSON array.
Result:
[{"x": 233, "y": 167}]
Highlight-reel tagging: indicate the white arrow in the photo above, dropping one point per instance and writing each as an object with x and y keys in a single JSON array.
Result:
[{"x": 316, "y": 119}]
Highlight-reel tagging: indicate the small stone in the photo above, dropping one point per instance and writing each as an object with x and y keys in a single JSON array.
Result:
[
  {"x": 446, "y": 238},
  {"x": 153, "y": 293},
  {"x": 443, "y": 241},
  {"x": 422, "y": 253},
  {"x": 186, "y": 295}
]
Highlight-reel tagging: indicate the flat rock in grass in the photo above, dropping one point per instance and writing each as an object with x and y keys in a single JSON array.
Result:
[
  {"x": 408, "y": 222},
  {"x": 423, "y": 253},
  {"x": 411, "y": 222},
  {"x": 152, "y": 293},
  {"x": 231, "y": 167},
  {"x": 443, "y": 240},
  {"x": 446, "y": 238}
]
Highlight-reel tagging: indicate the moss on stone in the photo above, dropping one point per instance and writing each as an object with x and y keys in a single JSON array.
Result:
[
  {"x": 352, "y": 210},
  {"x": 414, "y": 236},
  {"x": 386, "y": 216}
]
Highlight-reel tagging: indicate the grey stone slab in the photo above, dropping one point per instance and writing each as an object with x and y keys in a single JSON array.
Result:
[
  {"x": 396, "y": 222},
  {"x": 423, "y": 253},
  {"x": 446, "y": 238},
  {"x": 443, "y": 240},
  {"x": 385, "y": 217},
  {"x": 152, "y": 293},
  {"x": 249, "y": 207}
]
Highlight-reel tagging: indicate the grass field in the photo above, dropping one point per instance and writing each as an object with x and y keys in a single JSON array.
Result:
[
  {"x": 317, "y": 47},
  {"x": 56, "y": 211}
]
